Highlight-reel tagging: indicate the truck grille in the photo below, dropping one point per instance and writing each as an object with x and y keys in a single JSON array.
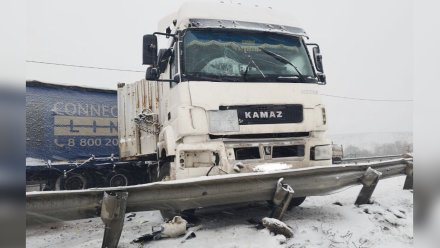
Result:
[
  {"x": 288, "y": 151},
  {"x": 267, "y": 114},
  {"x": 247, "y": 153},
  {"x": 244, "y": 153}
]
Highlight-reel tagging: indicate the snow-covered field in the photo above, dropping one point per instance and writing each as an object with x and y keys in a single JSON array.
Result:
[
  {"x": 370, "y": 140},
  {"x": 325, "y": 221}
]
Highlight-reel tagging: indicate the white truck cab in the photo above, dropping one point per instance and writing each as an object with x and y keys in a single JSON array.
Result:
[{"x": 235, "y": 90}]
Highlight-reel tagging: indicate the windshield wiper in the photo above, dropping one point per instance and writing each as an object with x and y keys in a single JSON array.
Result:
[
  {"x": 294, "y": 78},
  {"x": 203, "y": 78},
  {"x": 213, "y": 79},
  {"x": 251, "y": 61},
  {"x": 283, "y": 60}
]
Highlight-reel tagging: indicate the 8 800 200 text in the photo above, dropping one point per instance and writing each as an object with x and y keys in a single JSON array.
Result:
[{"x": 86, "y": 142}]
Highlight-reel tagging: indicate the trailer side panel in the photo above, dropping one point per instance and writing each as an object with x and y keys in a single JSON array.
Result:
[{"x": 69, "y": 122}]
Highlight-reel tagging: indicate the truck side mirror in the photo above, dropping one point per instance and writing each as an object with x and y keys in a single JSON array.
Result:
[
  {"x": 151, "y": 74},
  {"x": 318, "y": 59},
  {"x": 149, "y": 53}
]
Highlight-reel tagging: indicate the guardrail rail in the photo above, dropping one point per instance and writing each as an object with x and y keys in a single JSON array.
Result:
[{"x": 212, "y": 190}]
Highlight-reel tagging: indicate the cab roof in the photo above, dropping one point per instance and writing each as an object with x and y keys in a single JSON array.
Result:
[{"x": 230, "y": 15}]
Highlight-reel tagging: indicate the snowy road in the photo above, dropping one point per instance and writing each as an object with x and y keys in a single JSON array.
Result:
[{"x": 327, "y": 221}]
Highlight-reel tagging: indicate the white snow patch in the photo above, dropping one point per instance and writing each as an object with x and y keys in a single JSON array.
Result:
[
  {"x": 34, "y": 161},
  {"x": 277, "y": 227},
  {"x": 271, "y": 167}
]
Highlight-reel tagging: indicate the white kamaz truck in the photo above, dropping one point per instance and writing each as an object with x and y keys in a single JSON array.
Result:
[
  {"x": 227, "y": 114},
  {"x": 229, "y": 89}
]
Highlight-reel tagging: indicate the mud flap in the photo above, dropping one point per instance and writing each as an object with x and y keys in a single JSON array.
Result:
[
  {"x": 112, "y": 214},
  {"x": 369, "y": 180},
  {"x": 281, "y": 199}
]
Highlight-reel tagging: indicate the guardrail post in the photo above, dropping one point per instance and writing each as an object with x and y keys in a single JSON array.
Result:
[
  {"x": 409, "y": 175},
  {"x": 281, "y": 199},
  {"x": 369, "y": 180},
  {"x": 112, "y": 214}
]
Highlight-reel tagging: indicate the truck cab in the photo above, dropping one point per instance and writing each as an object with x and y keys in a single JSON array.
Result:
[{"x": 229, "y": 89}]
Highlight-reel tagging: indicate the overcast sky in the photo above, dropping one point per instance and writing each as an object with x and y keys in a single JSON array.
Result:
[{"x": 367, "y": 48}]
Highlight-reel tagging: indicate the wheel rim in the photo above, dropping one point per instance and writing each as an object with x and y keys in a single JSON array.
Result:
[
  {"x": 75, "y": 182},
  {"x": 118, "y": 180}
]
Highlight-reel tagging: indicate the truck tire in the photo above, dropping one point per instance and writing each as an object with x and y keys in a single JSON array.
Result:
[
  {"x": 295, "y": 202},
  {"x": 74, "y": 182},
  {"x": 164, "y": 167},
  {"x": 117, "y": 179},
  {"x": 51, "y": 184},
  {"x": 170, "y": 213},
  {"x": 152, "y": 173}
]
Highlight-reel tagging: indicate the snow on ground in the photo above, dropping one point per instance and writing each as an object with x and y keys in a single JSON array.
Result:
[{"x": 323, "y": 221}]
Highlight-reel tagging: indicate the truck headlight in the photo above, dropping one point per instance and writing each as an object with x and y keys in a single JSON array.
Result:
[
  {"x": 221, "y": 121},
  {"x": 323, "y": 152}
]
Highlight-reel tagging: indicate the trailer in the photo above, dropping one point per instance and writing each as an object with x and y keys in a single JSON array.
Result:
[
  {"x": 72, "y": 139},
  {"x": 67, "y": 123}
]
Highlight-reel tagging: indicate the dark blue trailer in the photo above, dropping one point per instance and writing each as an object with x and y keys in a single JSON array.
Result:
[
  {"x": 75, "y": 130},
  {"x": 65, "y": 123}
]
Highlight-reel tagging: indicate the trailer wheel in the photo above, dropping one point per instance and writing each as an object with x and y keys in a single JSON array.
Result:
[
  {"x": 117, "y": 180},
  {"x": 50, "y": 184},
  {"x": 295, "y": 202},
  {"x": 74, "y": 182}
]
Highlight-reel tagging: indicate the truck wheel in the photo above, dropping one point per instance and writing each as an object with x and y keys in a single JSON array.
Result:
[
  {"x": 295, "y": 202},
  {"x": 74, "y": 182},
  {"x": 164, "y": 167},
  {"x": 117, "y": 180},
  {"x": 152, "y": 173},
  {"x": 51, "y": 184},
  {"x": 170, "y": 213}
]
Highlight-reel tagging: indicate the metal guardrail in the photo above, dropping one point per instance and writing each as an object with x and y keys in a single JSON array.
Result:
[
  {"x": 374, "y": 158},
  {"x": 211, "y": 190}
]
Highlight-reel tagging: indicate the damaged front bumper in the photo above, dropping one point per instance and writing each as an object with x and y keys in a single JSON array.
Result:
[{"x": 217, "y": 157}]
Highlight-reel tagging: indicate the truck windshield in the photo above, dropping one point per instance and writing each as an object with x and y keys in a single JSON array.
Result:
[{"x": 230, "y": 55}]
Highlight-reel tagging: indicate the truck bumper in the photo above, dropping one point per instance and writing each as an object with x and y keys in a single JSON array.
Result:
[{"x": 217, "y": 157}]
